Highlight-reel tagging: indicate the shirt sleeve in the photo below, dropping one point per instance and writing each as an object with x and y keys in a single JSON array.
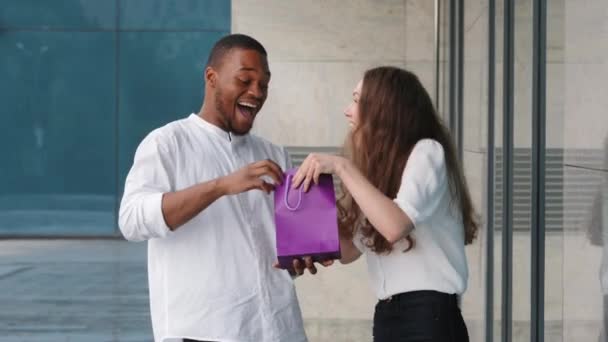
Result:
[
  {"x": 140, "y": 216},
  {"x": 424, "y": 181}
]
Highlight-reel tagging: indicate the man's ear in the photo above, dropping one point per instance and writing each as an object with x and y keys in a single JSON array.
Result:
[{"x": 210, "y": 77}]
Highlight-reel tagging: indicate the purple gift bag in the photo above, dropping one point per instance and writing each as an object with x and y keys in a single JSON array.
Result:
[{"x": 307, "y": 222}]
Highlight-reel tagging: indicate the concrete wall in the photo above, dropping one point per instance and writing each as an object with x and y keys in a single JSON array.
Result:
[{"x": 318, "y": 50}]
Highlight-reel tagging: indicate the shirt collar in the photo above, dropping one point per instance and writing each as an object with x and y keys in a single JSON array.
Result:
[{"x": 227, "y": 136}]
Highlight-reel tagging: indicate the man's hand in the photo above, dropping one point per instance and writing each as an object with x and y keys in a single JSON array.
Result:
[
  {"x": 299, "y": 267},
  {"x": 250, "y": 177}
]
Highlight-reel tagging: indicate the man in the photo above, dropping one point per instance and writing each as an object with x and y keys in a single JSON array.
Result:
[{"x": 211, "y": 241}]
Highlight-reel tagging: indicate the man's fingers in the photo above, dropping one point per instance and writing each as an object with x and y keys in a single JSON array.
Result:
[
  {"x": 297, "y": 266},
  {"x": 275, "y": 169},
  {"x": 266, "y": 187},
  {"x": 310, "y": 265},
  {"x": 277, "y": 265},
  {"x": 268, "y": 168},
  {"x": 327, "y": 263},
  {"x": 261, "y": 185},
  {"x": 265, "y": 162}
]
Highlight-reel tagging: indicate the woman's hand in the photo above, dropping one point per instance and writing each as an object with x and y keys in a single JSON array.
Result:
[{"x": 313, "y": 166}]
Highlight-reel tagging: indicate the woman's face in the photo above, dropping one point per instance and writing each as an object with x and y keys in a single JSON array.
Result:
[{"x": 352, "y": 111}]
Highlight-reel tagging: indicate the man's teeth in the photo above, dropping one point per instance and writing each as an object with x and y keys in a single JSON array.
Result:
[{"x": 244, "y": 104}]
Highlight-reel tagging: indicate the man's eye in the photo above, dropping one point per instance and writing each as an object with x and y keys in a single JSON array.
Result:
[{"x": 244, "y": 81}]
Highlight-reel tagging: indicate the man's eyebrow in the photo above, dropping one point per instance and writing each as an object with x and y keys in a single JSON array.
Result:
[{"x": 252, "y": 69}]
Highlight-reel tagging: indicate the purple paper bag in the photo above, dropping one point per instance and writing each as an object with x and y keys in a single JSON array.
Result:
[{"x": 306, "y": 222}]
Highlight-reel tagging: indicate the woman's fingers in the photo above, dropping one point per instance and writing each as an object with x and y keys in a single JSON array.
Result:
[
  {"x": 299, "y": 176},
  {"x": 309, "y": 176},
  {"x": 316, "y": 176}
]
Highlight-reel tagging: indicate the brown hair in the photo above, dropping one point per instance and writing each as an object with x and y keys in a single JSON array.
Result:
[{"x": 395, "y": 112}]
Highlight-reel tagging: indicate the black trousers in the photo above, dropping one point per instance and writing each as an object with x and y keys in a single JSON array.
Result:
[{"x": 428, "y": 316}]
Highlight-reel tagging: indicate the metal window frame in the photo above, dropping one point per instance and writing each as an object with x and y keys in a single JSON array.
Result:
[
  {"x": 456, "y": 72},
  {"x": 452, "y": 108},
  {"x": 437, "y": 52},
  {"x": 455, "y": 103},
  {"x": 537, "y": 286},
  {"x": 117, "y": 141},
  {"x": 460, "y": 81},
  {"x": 489, "y": 291},
  {"x": 507, "y": 209}
]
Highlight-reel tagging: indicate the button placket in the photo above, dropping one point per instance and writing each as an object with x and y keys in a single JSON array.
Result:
[{"x": 243, "y": 199}]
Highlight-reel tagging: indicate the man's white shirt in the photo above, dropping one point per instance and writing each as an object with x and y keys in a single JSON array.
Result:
[{"x": 211, "y": 279}]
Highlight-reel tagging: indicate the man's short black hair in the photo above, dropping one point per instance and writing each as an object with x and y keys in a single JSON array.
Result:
[{"x": 232, "y": 41}]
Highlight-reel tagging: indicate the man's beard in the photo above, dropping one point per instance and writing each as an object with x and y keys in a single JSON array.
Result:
[{"x": 219, "y": 105}]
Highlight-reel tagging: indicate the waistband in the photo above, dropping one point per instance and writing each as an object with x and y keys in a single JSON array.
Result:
[{"x": 405, "y": 296}]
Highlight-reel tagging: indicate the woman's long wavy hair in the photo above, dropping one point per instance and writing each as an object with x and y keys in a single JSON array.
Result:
[{"x": 395, "y": 112}]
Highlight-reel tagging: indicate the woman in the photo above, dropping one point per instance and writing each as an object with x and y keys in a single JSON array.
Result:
[{"x": 405, "y": 205}]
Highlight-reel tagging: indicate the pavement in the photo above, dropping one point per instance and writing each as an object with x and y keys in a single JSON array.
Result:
[{"x": 56, "y": 290}]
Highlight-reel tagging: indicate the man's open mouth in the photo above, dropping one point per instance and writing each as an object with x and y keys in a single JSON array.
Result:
[{"x": 247, "y": 109}]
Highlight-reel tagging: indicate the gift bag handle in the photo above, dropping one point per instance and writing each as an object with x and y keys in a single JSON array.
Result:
[{"x": 286, "y": 199}]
